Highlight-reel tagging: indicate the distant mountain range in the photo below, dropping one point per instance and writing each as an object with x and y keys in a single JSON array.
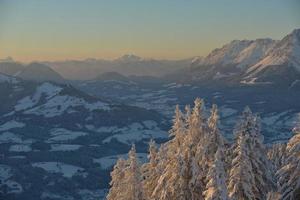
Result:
[
  {"x": 33, "y": 71},
  {"x": 126, "y": 65},
  {"x": 261, "y": 61}
]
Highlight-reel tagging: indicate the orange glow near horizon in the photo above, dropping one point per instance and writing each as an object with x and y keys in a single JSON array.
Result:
[{"x": 48, "y": 30}]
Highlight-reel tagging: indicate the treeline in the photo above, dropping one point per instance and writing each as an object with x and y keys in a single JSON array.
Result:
[{"x": 197, "y": 163}]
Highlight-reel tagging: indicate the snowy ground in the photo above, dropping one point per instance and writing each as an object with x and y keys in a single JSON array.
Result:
[
  {"x": 8, "y": 137},
  {"x": 61, "y": 134},
  {"x": 136, "y": 132},
  {"x": 109, "y": 161},
  {"x": 20, "y": 148},
  {"x": 65, "y": 147},
  {"x": 5, "y": 178},
  {"x": 11, "y": 125},
  {"x": 66, "y": 170}
]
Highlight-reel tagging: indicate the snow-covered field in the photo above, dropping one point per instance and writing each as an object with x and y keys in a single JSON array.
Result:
[
  {"x": 109, "y": 161},
  {"x": 8, "y": 137},
  {"x": 49, "y": 195},
  {"x": 66, "y": 170},
  {"x": 5, "y": 172},
  {"x": 20, "y": 148},
  {"x": 61, "y": 134},
  {"x": 136, "y": 132},
  {"x": 65, "y": 147},
  {"x": 5, "y": 177},
  {"x": 11, "y": 125}
]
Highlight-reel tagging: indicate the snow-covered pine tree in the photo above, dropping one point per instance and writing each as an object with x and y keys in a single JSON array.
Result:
[
  {"x": 213, "y": 139},
  {"x": 134, "y": 188},
  {"x": 207, "y": 148},
  {"x": 153, "y": 160},
  {"x": 216, "y": 179},
  {"x": 118, "y": 182},
  {"x": 150, "y": 170},
  {"x": 194, "y": 143},
  {"x": 126, "y": 181},
  {"x": 276, "y": 155},
  {"x": 176, "y": 156},
  {"x": 187, "y": 116},
  {"x": 173, "y": 183},
  {"x": 197, "y": 122},
  {"x": 261, "y": 166},
  {"x": 241, "y": 178},
  {"x": 178, "y": 130},
  {"x": 289, "y": 174}
]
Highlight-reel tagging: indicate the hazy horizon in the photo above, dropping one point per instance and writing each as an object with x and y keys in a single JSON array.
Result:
[{"x": 73, "y": 30}]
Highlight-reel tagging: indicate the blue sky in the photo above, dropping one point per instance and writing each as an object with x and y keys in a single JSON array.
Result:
[{"x": 75, "y": 29}]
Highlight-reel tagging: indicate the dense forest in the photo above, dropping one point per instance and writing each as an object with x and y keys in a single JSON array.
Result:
[{"x": 199, "y": 163}]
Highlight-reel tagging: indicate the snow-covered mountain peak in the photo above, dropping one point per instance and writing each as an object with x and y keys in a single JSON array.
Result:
[
  {"x": 129, "y": 58},
  {"x": 227, "y": 53},
  {"x": 284, "y": 52},
  {"x": 242, "y": 53},
  {"x": 256, "y": 50}
]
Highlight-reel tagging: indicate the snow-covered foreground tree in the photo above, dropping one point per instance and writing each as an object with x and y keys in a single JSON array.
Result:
[
  {"x": 197, "y": 163},
  {"x": 289, "y": 174},
  {"x": 216, "y": 179},
  {"x": 250, "y": 157},
  {"x": 126, "y": 179}
]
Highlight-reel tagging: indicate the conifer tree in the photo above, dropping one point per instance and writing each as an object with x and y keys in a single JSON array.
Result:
[
  {"x": 134, "y": 189},
  {"x": 241, "y": 178},
  {"x": 173, "y": 183},
  {"x": 214, "y": 139},
  {"x": 197, "y": 121},
  {"x": 187, "y": 116},
  {"x": 216, "y": 180},
  {"x": 289, "y": 174},
  {"x": 249, "y": 125},
  {"x": 276, "y": 155},
  {"x": 150, "y": 170},
  {"x": 118, "y": 182},
  {"x": 195, "y": 141},
  {"x": 178, "y": 130},
  {"x": 126, "y": 181}
]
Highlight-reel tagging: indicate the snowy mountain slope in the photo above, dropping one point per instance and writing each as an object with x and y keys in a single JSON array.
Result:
[
  {"x": 286, "y": 53},
  {"x": 254, "y": 52},
  {"x": 250, "y": 62},
  {"x": 243, "y": 53},
  {"x": 51, "y": 133}
]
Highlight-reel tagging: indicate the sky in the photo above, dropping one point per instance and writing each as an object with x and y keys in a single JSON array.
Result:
[{"x": 165, "y": 29}]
